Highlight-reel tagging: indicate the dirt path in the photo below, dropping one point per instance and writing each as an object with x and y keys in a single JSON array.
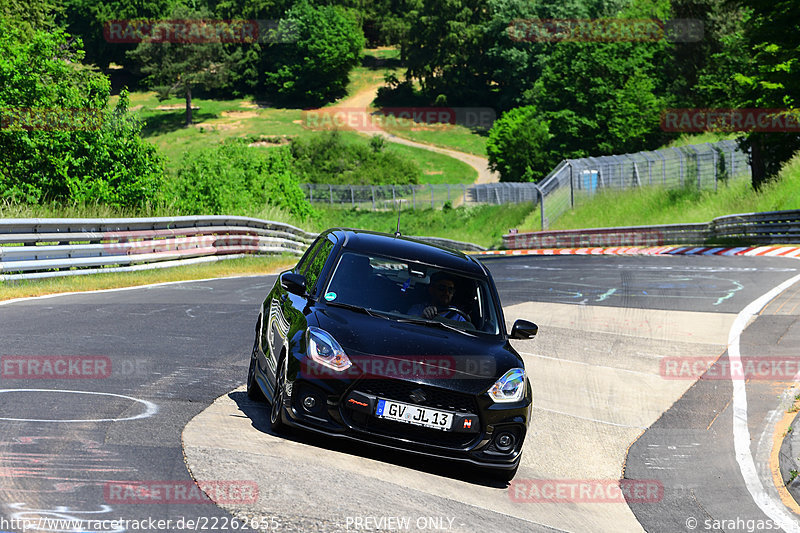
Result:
[{"x": 362, "y": 101}]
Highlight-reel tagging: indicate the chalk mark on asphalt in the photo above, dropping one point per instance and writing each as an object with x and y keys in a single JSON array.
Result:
[{"x": 150, "y": 407}]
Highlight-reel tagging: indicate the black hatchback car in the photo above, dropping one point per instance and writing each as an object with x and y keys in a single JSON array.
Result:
[{"x": 394, "y": 342}]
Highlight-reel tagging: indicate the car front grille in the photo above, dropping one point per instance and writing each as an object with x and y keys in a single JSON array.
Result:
[
  {"x": 402, "y": 391},
  {"x": 435, "y": 398}
]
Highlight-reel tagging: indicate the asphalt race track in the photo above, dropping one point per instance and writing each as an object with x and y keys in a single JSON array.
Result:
[{"x": 108, "y": 403}]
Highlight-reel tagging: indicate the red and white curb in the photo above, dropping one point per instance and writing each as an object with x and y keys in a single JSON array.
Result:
[{"x": 772, "y": 251}]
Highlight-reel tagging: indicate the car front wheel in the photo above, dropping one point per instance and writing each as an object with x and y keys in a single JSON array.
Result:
[{"x": 276, "y": 413}]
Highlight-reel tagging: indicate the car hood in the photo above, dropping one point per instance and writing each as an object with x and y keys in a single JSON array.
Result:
[{"x": 419, "y": 353}]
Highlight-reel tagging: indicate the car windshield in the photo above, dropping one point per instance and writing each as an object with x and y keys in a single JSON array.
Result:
[{"x": 404, "y": 290}]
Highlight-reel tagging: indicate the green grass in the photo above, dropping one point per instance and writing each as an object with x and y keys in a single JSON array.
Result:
[
  {"x": 451, "y": 136},
  {"x": 436, "y": 168},
  {"x": 215, "y": 121},
  {"x": 700, "y": 138},
  {"x": 483, "y": 225},
  {"x": 112, "y": 280},
  {"x": 375, "y": 63}
]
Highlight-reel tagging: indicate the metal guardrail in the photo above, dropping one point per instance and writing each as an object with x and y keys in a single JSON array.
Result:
[
  {"x": 36, "y": 248},
  {"x": 40, "y": 248},
  {"x": 775, "y": 227},
  {"x": 609, "y": 237}
]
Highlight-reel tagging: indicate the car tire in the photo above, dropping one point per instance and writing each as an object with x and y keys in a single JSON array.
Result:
[
  {"x": 254, "y": 391},
  {"x": 276, "y": 409}
]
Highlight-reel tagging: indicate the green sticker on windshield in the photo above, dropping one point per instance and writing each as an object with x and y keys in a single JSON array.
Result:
[{"x": 330, "y": 296}]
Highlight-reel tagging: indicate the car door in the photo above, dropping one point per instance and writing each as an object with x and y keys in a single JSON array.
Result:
[{"x": 287, "y": 311}]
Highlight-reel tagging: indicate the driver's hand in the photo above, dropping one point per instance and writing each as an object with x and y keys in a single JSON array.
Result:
[{"x": 430, "y": 311}]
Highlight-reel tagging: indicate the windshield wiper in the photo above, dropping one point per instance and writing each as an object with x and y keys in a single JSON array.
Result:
[
  {"x": 426, "y": 322},
  {"x": 358, "y": 308}
]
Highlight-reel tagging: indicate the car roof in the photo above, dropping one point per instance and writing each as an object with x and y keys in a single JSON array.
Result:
[{"x": 385, "y": 244}]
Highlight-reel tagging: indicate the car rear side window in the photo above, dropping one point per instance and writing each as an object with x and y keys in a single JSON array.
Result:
[
  {"x": 315, "y": 265},
  {"x": 302, "y": 265}
]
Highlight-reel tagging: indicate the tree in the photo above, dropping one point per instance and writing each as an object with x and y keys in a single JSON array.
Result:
[
  {"x": 771, "y": 81},
  {"x": 704, "y": 64},
  {"x": 315, "y": 67},
  {"x": 58, "y": 139},
  {"x": 602, "y": 97},
  {"x": 476, "y": 52},
  {"x": 176, "y": 68},
  {"x": 30, "y": 15},
  {"x": 88, "y": 19},
  {"x": 517, "y": 143}
]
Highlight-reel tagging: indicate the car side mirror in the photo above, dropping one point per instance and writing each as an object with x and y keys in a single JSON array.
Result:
[
  {"x": 523, "y": 329},
  {"x": 294, "y": 283}
]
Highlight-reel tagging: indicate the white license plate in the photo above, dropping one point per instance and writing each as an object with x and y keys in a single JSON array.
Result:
[{"x": 414, "y": 414}]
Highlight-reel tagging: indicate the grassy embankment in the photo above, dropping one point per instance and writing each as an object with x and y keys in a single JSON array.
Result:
[{"x": 655, "y": 205}]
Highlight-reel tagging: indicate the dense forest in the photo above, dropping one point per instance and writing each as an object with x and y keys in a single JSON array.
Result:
[{"x": 595, "y": 88}]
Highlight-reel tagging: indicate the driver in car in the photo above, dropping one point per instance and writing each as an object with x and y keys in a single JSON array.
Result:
[{"x": 441, "y": 290}]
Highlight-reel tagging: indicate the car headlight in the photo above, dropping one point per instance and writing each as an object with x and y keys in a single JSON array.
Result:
[
  {"x": 510, "y": 387},
  {"x": 323, "y": 349}
]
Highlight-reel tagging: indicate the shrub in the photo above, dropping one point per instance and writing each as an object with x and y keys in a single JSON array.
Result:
[
  {"x": 233, "y": 178},
  {"x": 330, "y": 158},
  {"x": 516, "y": 145}
]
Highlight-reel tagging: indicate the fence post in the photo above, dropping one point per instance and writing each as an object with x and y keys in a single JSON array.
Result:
[
  {"x": 448, "y": 192},
  {"x": 352, "y": 197},
  {"x": 373, "y": 197},
  {"x": 330, "y": 189},
  {"x": 463, "y": 194},
  {"x": 699, "y": 173},
  {"x": 431, "y": 186},
  {"x": 413, "y": 197},
  {"x": 310, "y": 194},
  {"x": 541, "y": 205},
  {"x": 571, "y": 185},
  {"x": 393, "y": 195}
]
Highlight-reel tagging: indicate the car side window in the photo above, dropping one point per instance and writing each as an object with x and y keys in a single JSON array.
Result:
[
  {"x": 315, "y": 265},
  {"x": 302, "y": 265}
]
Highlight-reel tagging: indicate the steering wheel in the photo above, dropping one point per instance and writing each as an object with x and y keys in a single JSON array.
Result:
[{"x": 455, "y": 310}]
